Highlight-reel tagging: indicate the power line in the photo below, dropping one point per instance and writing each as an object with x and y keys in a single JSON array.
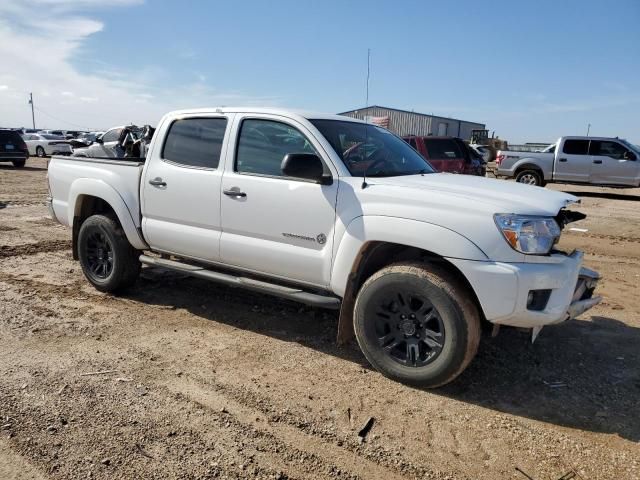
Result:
[{"x": 59, "y": 119}]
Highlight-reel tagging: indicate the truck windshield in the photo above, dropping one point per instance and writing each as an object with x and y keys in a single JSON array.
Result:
[{"x": 371, "y": 149}]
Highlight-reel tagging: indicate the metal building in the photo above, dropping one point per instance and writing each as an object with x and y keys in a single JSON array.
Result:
[{"x": 403, "y": 122}]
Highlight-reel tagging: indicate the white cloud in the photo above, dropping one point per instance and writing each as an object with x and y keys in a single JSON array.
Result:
[{"x": 26, "y": 26}]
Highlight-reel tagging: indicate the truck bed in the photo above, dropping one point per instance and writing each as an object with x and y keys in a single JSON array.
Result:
[{"x": 121, "y": 176}]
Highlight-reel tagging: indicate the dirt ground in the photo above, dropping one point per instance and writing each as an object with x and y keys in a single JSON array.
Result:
[{"x": 186, "y": 379}]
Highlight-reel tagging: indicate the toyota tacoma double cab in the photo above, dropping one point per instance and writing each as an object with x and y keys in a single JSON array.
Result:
[
  {"x": 612, "y": 162},
  {"x": 279, "y": 202}
]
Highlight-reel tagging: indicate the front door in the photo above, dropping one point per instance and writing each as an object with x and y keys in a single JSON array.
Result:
[
  {"x": 181, "y": 188},
  {"x": 573, "y": 163},
  {"x": 613, "y": 163},
  {"x": 274, "y": 224}
]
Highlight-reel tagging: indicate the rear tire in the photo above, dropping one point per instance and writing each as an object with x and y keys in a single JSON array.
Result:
[
  {"x": 530, "y": 177},
  {"x": 417, "y": 324},
  {"x": 107, "y": 258},
  {"x": 40, "y": 152},
  {"x": 19, "y": 163}
]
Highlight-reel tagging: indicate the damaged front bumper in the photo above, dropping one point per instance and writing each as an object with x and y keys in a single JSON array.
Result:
[
  {"x": 583, "y": 298},
  {"x": 563, "y": 288}
]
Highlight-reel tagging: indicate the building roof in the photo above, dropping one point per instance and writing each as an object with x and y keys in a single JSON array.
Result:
[{"x": 413, "y": 113}]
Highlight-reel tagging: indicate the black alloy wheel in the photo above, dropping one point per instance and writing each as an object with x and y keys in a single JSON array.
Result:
[{"x": 409, "y": 328}]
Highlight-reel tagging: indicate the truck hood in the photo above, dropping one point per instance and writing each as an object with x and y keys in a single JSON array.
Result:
[{"x": 498, "y": 195}]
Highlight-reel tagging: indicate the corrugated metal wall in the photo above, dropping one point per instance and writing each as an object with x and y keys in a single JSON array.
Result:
[{"x": 409, "y": 123}]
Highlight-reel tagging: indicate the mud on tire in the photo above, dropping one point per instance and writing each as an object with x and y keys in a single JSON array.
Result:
[{"x": 416, "y": 323}]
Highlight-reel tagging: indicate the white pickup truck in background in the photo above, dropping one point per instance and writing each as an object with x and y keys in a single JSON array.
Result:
[
  {"x": 275, "y": 201},
  {"x": 611, "y": 162}
]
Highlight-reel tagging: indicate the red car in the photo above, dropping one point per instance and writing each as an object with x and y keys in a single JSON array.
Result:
[{"x": 449, "y": 154}]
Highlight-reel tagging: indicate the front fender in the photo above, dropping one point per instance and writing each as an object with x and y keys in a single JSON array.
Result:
[
  {"x": 412, "y": 233},
  {"x": 100, "y": 189}
]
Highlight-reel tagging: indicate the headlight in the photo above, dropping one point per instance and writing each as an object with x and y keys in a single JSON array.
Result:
[{"x": 526, "y": 234}]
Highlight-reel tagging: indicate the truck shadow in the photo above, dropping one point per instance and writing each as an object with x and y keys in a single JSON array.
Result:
[
  {"x": 579, "y": 374},
  {"x": 607, "y": 195}
]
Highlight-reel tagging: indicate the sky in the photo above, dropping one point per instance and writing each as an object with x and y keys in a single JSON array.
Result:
[{"x": 531, "y": 71}]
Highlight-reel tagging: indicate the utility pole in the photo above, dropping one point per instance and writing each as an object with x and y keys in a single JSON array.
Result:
[
  {"x": 588, "y": 129},
  {"x": 33, "y": 117}
]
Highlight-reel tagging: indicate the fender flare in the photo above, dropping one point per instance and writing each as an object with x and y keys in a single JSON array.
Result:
[
  {"x": 412, "y": 233},
  {"x": 527, "y": 164},
  {"x": 104, "y": 191}
]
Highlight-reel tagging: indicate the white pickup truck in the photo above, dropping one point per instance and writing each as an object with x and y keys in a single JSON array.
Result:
[
  {"x": 581, "y": 160},
  {"x": 278, "y": 202}
]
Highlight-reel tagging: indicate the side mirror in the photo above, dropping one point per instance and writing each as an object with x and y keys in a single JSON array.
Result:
[
  {"x": 99, "y": 140},
  {"x": 307, "y": 166},
  {"x": 629, "y": 155}
]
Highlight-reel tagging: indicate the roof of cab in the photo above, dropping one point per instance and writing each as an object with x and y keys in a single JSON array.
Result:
[{"x": 291, "y": 113}]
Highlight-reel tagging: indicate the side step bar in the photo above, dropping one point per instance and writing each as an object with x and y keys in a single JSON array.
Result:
[{"x": 294, "y": 294}]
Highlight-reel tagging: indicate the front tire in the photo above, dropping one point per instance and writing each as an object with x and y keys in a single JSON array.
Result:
[
  {"x": 416, "y": 323},
  {"x": 530, "y": 177},
  {"x": 107, "y": 258},
  {"x": 40, "y": 152}
]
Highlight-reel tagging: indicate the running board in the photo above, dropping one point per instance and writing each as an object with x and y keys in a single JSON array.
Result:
[{"x": 289, "y": 293}]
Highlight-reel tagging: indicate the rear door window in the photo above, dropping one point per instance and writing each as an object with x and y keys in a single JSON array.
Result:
[
  {"x": 443, "y": 149},
  {"x": 575, "y": 147},
  {"x": 195, "y": 142}
]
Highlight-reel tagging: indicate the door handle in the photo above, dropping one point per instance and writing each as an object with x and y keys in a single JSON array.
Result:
[
  {"x": 234, "y": 192},
  {"x": 562, "y": 160},
  {"x": 597, "y": 161},
  {"x": 157, "y": 182}
]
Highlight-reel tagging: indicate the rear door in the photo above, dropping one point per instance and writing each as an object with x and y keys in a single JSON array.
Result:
[
  {"x": 573, "y": 163},
  {"x": 444, "y": 154},
  {"x": 273, "y": 224},
  {"x": 181, "y": 187},
  {"x": 613, "y": 163}
]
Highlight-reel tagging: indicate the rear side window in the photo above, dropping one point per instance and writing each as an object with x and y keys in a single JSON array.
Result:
[
  {"x": 576, "y": 147},
  {"x": 263, "y": 144},
  {"x": 607, "y": 149},
  {"x": 10, "y": 136},
  {"x": 195, "y": 142},
  {"x": 442, "y": 149},
  {"x": 412, "y": 142}
]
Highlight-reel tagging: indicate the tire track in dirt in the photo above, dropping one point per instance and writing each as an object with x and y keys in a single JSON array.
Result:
[
  {"x": 216, "y": 398},
  {"x": 394, "y": 461},
  {"x": 33, "y": 248},
  {"x": 323, "y": 447}
]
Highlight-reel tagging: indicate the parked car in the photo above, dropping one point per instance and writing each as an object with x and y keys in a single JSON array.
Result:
[
  {"x": 483, "y": 151},
  {"x": 12, "y": 148},
  {"x": 448, "y": 154},
  {"x": 44, "y": 144},
  {"x": 112, "y": 144},
  {"x": 583, "y": 160},
  {"x": 57, "y": 133},
  {"x": 267, "y": 199}
]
